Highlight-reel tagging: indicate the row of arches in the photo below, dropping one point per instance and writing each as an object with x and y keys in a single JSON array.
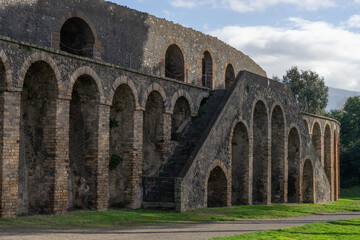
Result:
[
  {"x": 43, "y": 129},
  {"x": 325, "y": 144},
  {"x": 273, "y": 174}
]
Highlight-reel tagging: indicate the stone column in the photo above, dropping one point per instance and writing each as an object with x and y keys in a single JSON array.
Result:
[
  {"x": 135, "y": 196},
  {"x": 102, "y": 162},
  {"x": 9, "y": 152},
  {"x": 61, "y": 156}
]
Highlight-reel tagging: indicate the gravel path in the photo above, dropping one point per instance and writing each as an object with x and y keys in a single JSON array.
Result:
[{"x": 173, "y": 232}]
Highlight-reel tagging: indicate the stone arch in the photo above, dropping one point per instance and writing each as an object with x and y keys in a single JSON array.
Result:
[
  {"x": 83, "y": 141},
  {"x": 154, "y": 87},
  {"x": 5, "y": 71},
  {"x": 308, "y": 187},
  {"x": 180, "y": 118},
  {"x": 277, "y": 154},
  {"x": 41, "y": 57},
  {"x": 121, "y": 146},
  {"x": 316, "y": 139},
  {"x": 85, "y": 70},
  {"x": 153, "y": 134},
  {"x": 207, "y": 69},
  {"x": 293, "y": 161},
  {"x": 185, "y": 94},
  {"x": 216, "y": 187},
  {"x": 201, "y": 98},
  {"x": 327, "y": 153},
  {"x": 174, "y": 61},
  {"x": 240, "y": 157},
  {"x": 261, "y": 159},
  {"x": 37, "y": 129},
  {"x": 129, "y": 83},
  {"x": 229, "y": 75},
  {"x": 77, "y": 35}
]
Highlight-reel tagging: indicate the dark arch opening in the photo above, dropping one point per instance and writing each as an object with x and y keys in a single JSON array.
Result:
[
  {"x": 229, "y": 76},
  {"x": 37, "y": 128},
  {"x": 83, "y": 144},
  {"x": 153, "y": 143},
  {"x": 308, "y": 182},
  {"x": 240, "y": 165},
  {"x": 180, "y": 118},
  {"x": 293, "y": 163},
  {"x": 76, "y": 37},
  {"x": 327, "y": 153},
  {"x": 277, "y": 155},
  {"x": 121, "y": 146},
  {"x": 174, "y": 63},
  {"x": 260, "y": 154},
  {"x": 217, "y": 188},
  {"x": 2, "y": 76},
  {"x": 316, "y": 140},
  {"x": 207, "y": 70}
]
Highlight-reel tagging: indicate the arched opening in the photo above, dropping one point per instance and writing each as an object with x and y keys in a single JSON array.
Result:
[
  {"x": 217, "y": 188},
  {"x": 229, "y": 76},
  {"x": 180, "y": 118},
  {"x": 2, "y": 76},
  {"x": 174, "y": 63},
  {"x": 121, "y": 146},
  {"x": 207, "y": 70},
  {"x": 327, "y": 153},
  {"x": 37, "y": 152},
  {"x": 335, "y": 167},
  {"x": 260, "y": 154},
  {"x": 308, "y": 182},
  {"x": 293, "y": 166},
  {"x": 153, "y": 144},
  {"x": 83, "y": 144},
  {"x": 277, "y": 155},
  {"x": 240, "y": 165},
  {"x": 316, "y": 140},
  {"x": 76, "y": 37}
]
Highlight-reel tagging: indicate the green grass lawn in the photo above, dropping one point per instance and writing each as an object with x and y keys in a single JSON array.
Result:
[
  {"x": 346, "y": 229},
  {"x": 114, "y": 218}
]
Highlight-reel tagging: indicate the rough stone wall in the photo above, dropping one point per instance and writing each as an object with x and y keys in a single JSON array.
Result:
[
  {"x": 141, "y": 39},
  {"x": 69, "y": 71},
  {"x": 248, "y": 90}
]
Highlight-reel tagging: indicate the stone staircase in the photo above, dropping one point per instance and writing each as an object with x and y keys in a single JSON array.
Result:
[{"x": 159, "y": 191}]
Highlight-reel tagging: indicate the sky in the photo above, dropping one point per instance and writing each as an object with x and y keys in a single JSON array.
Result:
[{"x": 317, "y": 35}]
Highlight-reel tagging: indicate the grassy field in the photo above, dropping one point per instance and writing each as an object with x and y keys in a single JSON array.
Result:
[
  {"x": 346, "y": 229},
  {"x": 113, "y": 218}
]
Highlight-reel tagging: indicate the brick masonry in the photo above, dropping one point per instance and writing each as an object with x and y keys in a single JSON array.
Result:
[{"x": 137, "y": 62}]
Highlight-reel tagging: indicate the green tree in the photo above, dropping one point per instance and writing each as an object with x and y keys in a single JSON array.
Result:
[
  {"x": 309, "y": 90},
  {"x": 349, "y": 118}
]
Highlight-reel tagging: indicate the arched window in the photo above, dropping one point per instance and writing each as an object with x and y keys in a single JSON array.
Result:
[
  {"x": 77, "y": 38},
  {"x": 174, "y": 63},
  {"x": 316, "y": 140},
  {"x": 207, "y": 70},
  {"x": 229, "y": 76}
]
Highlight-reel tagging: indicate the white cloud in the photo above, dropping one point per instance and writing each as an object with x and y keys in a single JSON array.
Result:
[
  {"x": 254, "y": 5},
  {"x": 319, "y": 46},
  {"x": 183, "y": 3},
  {"x": 353, "y": 22}
]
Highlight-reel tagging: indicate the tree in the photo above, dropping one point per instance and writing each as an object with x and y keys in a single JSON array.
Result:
[
  {"x": 309, "y": 90},
  {"x": 349, "y": 118}
]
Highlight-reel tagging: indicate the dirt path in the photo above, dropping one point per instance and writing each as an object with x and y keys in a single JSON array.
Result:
[{"x": 172, "y": 232}]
